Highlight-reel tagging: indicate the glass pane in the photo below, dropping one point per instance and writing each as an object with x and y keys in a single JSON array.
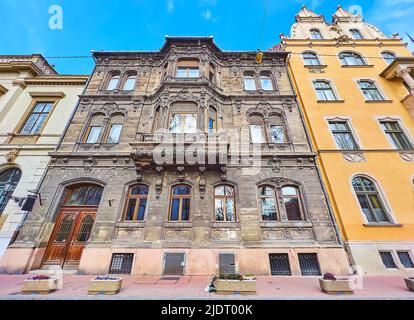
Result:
[
  {"x": 39, "y": 107},
  {"x": 177, "y": 123},
  {"x": 219, "y": 208},
  {"x": 378, "y": 209},
  {"x": 175, "y": 209},
  {"x": 94, "y": 134},
  {"x": 181, "y": 190},
  {"x": 132, "y": 203},
  {"x": 345, "y": 141},
  {"x": 139, "y": 190},
  {"x": 48, "y": 107},
  {"x": 39, "y": 124},
  {"x": 219, "y": 191},
  {"x": 278, "y": 134},
  {"x": 193, "y": 73},
  {"x": 130, "y": 84},
  {"x": 230, "y": 210},
  {"x": 190, "y": 123},
  {"x": 266, "y": 191},
  {"x": 268, "y": 207},
  {"x": 257, "y": 133},
  {"x": 85, "y": 229},
  {"x": 141, "y": 209},
  {"x": 185, "y": 214},
  {"x": 113, "y": 84},
  {"x": 64, "y": 229},
  {"x": 293, "y": 209},
  {"x": 29, "y": 124},
  {"x": 182, "y": 73},
  {"x": 365, "y": 208},
  {"x": 114, "y": 133},
  {"x": 249, "y": 83},
  {"x": 290, "y": 191},
  {"x": 266, "y": 83},
  {"x": 81, "y": 196}
]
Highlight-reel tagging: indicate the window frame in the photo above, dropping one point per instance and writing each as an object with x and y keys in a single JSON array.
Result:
[
  {"x": 349, "y": 130},
  {"x": 181, "y": 197},
  {"x": 225, "y": 197},
  {"x": 127, "y": 77},
  {"x": 316, "y": 57},
  {"x": 129, "y": 196},
  {"x": 12, "y": 183},
  {"x": 110, "y": 76},
  {"x": 334, "y": 93},
  {"x": 171, "y": 117},
  {"x": 355, "y": 56},
  {"x": 312, "y": 34},
  {"x": 262, "y": 125},
  {"x": 383, "y": 98},
  {"x": 402, "y": 130},
  {"x": 270, "y": 78},
  {"x": 72, "y": 188},
  {"x": 387, "y": 59},
  {"x": 360, "y": 35},
  {"x": 188, "y": 67},
  {"x": 252, "y": 77},
  {"x": 275, "y": 197}
]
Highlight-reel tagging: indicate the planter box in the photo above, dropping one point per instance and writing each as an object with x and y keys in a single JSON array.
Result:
[
  {"x": 39, "y": 286},
  {"x": 340, "y": 286},
  {"x": 245, "y": 287},
  {"x": 104, "y": 287},
  {"x": 409, "y": 282}
]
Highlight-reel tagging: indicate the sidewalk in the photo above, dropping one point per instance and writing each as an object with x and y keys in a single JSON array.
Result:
[{"x": 155, "y": 288}]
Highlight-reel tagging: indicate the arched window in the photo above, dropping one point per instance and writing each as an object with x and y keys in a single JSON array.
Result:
[
  {"x": 293, "y": 203},
  {"x": 94, "y": 131},
  {"x": 224, "y": 203},
  {"x": 113, "y": 82},
  {"x": 188, "y": 68},
  {"x": 324, "y": 90},
  {"x": 9, "y": 179},
  {"x": 315, "y": 34},
  {"x": 356, "y": 34},
  {"x": 212, "y": 120},
  {"x": 277, "y": 129},
  {"x": 180, "y": 203},
  {"x": 130, "y": 81},
  {"x": 136, "y": 203},
  {"x": 257, "y": 129},
  {"x": 389, "y": 57},
  {"x": 351, "y": 59},
  {"x": 268, "y": 203},
  {"x": 311, "y": 59},
  {"x": 84, "y": 195},
  {"x": 370, "y": 90},
  {"x": 114, "y": 129},
  {"x": 249, "y": 82},
  {"x": 370, "y": 200},
  {"x": 156, "y": 121},
  {"x": 266, "y": 82}
]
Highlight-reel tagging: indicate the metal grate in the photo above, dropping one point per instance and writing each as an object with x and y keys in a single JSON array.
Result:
[
  {"x": 227, "y": 264},
  {"x": 388, "y": 260},
  {"x": 279, "y": 264},
  {"x": 121, "y": 263},
  {"x": 405, "y": 259},
  {"x": 309, "y": 264}
]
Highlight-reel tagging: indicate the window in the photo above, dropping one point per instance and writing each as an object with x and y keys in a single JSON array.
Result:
[
  {"x": 405, "y": 259},
  {"x": 324, "y": 90},
  {"x": 311, "y": 59},
  {"x": 356, "y": 34},
  {"x": 94, "y": 131},
  {"x": 343, "y": 135},
  {"x": 212, "y": 120},
  {"x": 389, "y": 57},
  {"x": 113, "y": 82},
  {"x": 396, "y": 135},
  {"x": 85, "y": 229},
  {"x": 249, "y": 83},
  {"x": 266, "y": 83},
  {"x": 188, "y": 69},
  {"x": 183, "y": 123},
  {"x": 268, "y": 204},
  {"x": 37, "y": 118},
  {"x": 316, "y": 34},
  {"x": 277, "y": 129},
  {"x": 388, "y": 260},
  {"x": 292, "y": 202},
  {"x": 8, "y": 181},
  {"x": 130, "y": 81},
  {"x": 224, "y": 203},
  {"x": 121, "y": 263},
  {"x": 370, "y": 200},
  {"x": 370, "y": 91},
  {"x": 351, "y": 59},
  {"x": 279, "y": 264},
  {"x": 309, "y": 264},
  {"x": 114, "y": 129},
  {"x": 84, "y": 195},
  {"x": 136, "y": 203},
  {"x": 257, "y": 130},
  {"x": 180, "y": 203}
]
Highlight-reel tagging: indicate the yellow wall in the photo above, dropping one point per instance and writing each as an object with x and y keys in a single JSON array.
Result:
[{"x": 393, "y": 175}]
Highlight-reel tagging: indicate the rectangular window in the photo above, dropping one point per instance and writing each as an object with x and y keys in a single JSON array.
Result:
[
  {"x": 257, "y": 133},
  {"x": 278, "y": 133},
  {"x": 370, "y": 91},
  {"x": 94, "y": 134},
  {"x": 37, "y": 118},
  {"x": 309, "y": 264},
  {"x": 121, "y": 263},
  {"x": 324, "y": 91},
  {"x": 388, "y": 260},
  {"x": 114, "y": 133},
  {"x": 183, "y": 123},
  {"x": 279, "y": 264},
  {"x": 249, "y": 83},
  {"x": 343, "y": 135},
  {"x": 405, "y": 259},
  {"x": 187, "y": 72},
  {"x": 396, "y": 135}
]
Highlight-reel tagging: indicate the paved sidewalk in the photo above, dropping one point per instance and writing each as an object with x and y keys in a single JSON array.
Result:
[{"x": 155, "y": 288}]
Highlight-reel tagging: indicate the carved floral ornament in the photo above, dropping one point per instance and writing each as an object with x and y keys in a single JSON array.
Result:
[
  {"x": 12, "y": 155},
  {"x": 266, "y": 109}
]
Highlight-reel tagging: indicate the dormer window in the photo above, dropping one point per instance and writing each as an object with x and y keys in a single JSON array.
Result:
[
  {"x": 356, "y": 34},
  {"x": 188, "y": 68},
  {"x": 315, "y": 34}
]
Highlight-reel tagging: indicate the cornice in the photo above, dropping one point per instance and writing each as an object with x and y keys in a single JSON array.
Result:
[
  {"x": 64, "y": 80},
  {"x": 3, "y": 90}
]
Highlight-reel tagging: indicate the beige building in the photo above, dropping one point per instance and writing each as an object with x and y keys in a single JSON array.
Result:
[{"x": 35, "y": 105}]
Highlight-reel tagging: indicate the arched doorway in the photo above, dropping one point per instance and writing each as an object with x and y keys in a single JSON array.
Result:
[
  {"x": 73, "y": 225},
  {"x": 9, "y": 179}
]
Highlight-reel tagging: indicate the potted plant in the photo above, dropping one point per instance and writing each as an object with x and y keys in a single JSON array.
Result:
[
  {"x": 39, "y": 284},
  {"x": 235, "y": 284},
  {"x": 104, "y": 285},
  {"x": 409, "y": 282},
  {"x": 336, "y": 285}
]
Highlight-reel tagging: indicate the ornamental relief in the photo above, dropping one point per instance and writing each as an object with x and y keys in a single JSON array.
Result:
[
  {"x": 129, "y": 235},
  {"x": 407, "y": 156},
  {"x": 354, "y": 156},
  {"x": 177, "y": 234},
  {"x": 287, "y": 234}
]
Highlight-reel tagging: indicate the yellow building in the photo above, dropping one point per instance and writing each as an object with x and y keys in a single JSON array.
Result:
[{"x": 356, "y": 88}]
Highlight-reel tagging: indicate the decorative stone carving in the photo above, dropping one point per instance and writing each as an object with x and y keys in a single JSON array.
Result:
[
  {"x": 177, "y": 234},
  {"x": 12, "y": 155},
  {"x": 275, "y": 162},
  {"x": 407, "y": 156},
  {"x": 202, "y": 183},
  {"x": 88, "y": 163},
  {"x": 159, "y": 181},
  {"x": 287, "y": 234},
  {"x": 354, "y": 156}
]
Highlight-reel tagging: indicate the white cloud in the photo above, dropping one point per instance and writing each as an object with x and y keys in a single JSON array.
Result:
[
  {"x": 207, "y": 2},
  {"x": 207, "y": 14},
  {"x": 170, "y": 6}
]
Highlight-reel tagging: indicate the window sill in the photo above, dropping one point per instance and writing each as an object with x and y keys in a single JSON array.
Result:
[
  {"x": 357, "y": 66},
  {"x": 316, "y": 66},
  {"x": 330, "y": 101},
  {"x": 130, "y": 224},
  {"x": 379, "y": 101},
  {"x": 225, "y": 224},
  {"x": 379, "y": 225},
  {"x": 286, "y": 224},
  {"x": 178, "y": 224}
]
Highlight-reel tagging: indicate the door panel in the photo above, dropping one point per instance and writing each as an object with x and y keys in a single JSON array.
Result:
[
  {"x": 80, "y": 237},
  {"x": 227, "y": 264},
  {"x": 174, "y": 264}
]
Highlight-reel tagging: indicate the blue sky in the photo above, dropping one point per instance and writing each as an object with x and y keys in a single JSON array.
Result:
[{"x": 142, "y": 24}]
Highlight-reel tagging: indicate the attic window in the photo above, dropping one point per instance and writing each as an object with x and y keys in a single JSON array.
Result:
[{"x": 188, "y": 68}]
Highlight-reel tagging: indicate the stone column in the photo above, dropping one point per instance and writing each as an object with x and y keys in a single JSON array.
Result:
[{"x": 404, "y": 73}]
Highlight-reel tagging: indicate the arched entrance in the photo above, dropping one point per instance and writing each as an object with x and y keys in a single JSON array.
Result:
[
  {"x": 9, "y": 179},
  {"x": 73, "y": 225}
]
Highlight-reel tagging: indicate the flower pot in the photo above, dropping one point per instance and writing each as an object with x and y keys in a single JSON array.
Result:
[
  {"x": 409, "y": 282},
  {"x": 339, "y": 286},
  {"x": 104, "y": 287},
  {"x": 45, "y": 286},
  {"x": 244, "y": 287}
]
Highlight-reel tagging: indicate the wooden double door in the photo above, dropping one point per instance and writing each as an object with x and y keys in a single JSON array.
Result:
[{"x": 71, "y": 232}]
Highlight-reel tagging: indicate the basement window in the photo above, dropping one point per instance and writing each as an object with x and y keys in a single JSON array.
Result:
[
  {"x": 121, "y": 263},
  {"x": 388, "y": 260},
  {"x": 309, "y": 264}
]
